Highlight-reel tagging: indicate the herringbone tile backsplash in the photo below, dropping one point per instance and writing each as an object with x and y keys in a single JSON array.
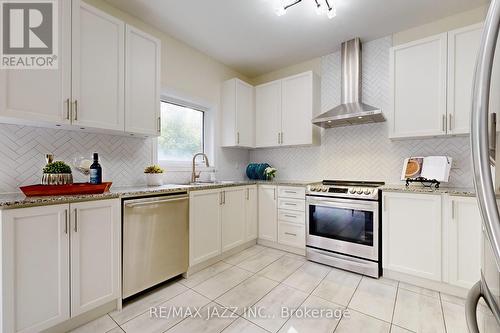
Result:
[{"x": 363, "y": 152}]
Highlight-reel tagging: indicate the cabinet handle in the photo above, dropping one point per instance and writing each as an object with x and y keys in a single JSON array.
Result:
[
  {"x": 291, "y": 216},
  {"x": 76, "y": 110},
  {"x": 238, "y": 138},
  {"x": 443, "y": 123},
  {"x": 76, "y": 220},
  {"x": 290, "y": 204},
  {"x": 224, "y": 197},
  {"x": 248, "y": 194},
  {"x": 68, "y": 109},
  {"x": 450, "y": 122},
  {"x": 279, "y": 137},
  {"x": 159, "y": 124},
  {"x": 220, "y": 198},
  {"x": 291, "y": 192},
  {"x": 290, "y": 234},
  {"x": 66, "y": 221},
  {"x": 452, "y": 209}
]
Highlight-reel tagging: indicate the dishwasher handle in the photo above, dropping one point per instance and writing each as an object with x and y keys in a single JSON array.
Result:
[{"x": 154, "y": 201}]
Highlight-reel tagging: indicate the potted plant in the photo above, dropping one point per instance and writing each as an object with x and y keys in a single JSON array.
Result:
[
  {"x": 154, "y": 175},
  {"x": 57, "y": 173},
  {"x": 270, "y": 173}
]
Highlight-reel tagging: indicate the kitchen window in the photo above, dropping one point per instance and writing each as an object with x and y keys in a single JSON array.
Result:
[{"x": 182, "y": 133}]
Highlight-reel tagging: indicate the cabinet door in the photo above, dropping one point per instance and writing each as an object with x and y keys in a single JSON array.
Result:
[
  {"x": 204, "y": 225},
  {"x": 35, "y": 268},
  {"x": 464, "y": 241},
  {"x": 48, "y": 90},
  {"x": 251, "y": 213},
  {"x": 412, "y": 234},
  {"x": 233, "y": 217},
  {"x": 268, "y": 114},
  {"x": 98, "y": 80},
  {"x": 245, "y": 115},
  {"x": 463, "y": 46},
  {"x": 95, "y": 254},
  {"x": 142, "y": 82},
  {"x": 268, "y": 213},
  {"x": 297, "y": 110},
  {"x": 418, "y": 75}
]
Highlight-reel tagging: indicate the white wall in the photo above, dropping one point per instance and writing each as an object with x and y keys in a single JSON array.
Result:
[{"x": 363, "y": 152}]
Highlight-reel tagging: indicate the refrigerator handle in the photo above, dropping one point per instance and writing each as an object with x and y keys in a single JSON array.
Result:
[
  {"x": 479, "y": 290},
  {"x": 483, "y": 181}
]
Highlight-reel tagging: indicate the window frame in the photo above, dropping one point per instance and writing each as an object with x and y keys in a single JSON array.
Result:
[{"x": 180, "y": 166}]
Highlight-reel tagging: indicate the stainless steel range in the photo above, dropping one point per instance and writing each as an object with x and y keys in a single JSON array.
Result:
[{"x": 343, "y": 221}]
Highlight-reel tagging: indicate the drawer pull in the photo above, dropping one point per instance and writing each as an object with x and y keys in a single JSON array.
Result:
[
  {"x": 291, "y": 192},
  {"x": 290, "y": 234},
  {"x": 290, "y": 204},
  {"x": 291, "y": 216}
]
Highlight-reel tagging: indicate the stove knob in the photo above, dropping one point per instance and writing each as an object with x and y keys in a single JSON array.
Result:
[
  {"x": 368, "y": 191},
  {"x": 360, "y": 191},
  {"x": 312, "y": 188},
  {"x": 324, "y": 189},
  {"x": 352, "y": 190}
]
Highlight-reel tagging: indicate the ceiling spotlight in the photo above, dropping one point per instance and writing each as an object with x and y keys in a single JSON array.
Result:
[{"x": 330, "y": 10}]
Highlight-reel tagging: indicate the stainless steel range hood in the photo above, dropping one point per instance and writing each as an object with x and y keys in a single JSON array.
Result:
[{"x": 351, "y": 111}]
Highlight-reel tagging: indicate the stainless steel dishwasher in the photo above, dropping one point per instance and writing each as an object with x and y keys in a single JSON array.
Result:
[{"x": 155, "y": 241}]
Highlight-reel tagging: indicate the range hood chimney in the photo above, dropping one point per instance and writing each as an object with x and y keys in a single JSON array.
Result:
[{"x": 351, "y": 111}]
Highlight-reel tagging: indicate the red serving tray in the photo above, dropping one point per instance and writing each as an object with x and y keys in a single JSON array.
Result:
[{"x": 70, "y": 189}]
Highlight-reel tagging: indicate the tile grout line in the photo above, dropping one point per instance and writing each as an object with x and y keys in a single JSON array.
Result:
[
  {"x": 395, "y": 302},
  {"x": 442, "y": 313}
]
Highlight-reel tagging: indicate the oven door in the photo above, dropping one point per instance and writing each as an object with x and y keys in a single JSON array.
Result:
[{"x": 345, "y": 226}]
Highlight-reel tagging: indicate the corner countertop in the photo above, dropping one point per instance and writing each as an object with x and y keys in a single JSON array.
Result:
[
  {"x": 19, "y": 200},
  {"x": 455, "y": 191}
]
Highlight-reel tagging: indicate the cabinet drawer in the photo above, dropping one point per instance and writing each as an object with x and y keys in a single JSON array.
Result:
[
  {"x": 292, "y": 216},
  {"x": 292, "y": 204},
  {"x": 291, "y": 234},
  {"x": 292, "y": 192}
]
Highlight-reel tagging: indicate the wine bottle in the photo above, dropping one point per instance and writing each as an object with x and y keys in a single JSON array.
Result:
[{"x": 96, "y": 171}]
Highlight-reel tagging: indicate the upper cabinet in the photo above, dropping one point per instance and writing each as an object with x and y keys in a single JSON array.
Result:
[
  {"x": 142, "y": 82},
  {"x": 432, "y": 83},
  {"x": 418, "y": 73},
  {"x": 284, "y": 110},
  {"x": 108, "y": 78},
  {"x": 463, "y": 47},
  {"x": 98, "y": 68},
  {"x": 238, "y": 114},
  {"x": 49, "y": 91}
]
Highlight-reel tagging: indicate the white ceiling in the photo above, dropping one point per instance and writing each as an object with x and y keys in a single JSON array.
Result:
[{"x": 249, "y": 37}]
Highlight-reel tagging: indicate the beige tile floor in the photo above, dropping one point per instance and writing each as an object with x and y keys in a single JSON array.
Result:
[{"x": 267, "y": 279}]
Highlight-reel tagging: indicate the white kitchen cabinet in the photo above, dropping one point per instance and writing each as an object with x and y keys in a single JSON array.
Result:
[
  {"x": 35, "y": 268},
  {"x": 463, "y": 241},
  {"x": 412, "y": 234},
  {"x": 238, "y": 114},
  {"x": 58, "y": 262},
  {"x": 298, "y": 107},
  {"x": 251, "y": 213},
  {"x": 95, "y": 254},
  {"x": 268, "y": 207},
  {"x": 142, "y": 82},
  {"x": 268, "y": 114},
  {"x": 233, "y": 217},
  {"x": 463, "y": 47},
  {"x": 49, "y": 91},
  {"x": 418, "y": 85},
  {"x": 284, "y": 110},
  {"x": 98, "y": 68},
  {"x": 204, "y": 225}
]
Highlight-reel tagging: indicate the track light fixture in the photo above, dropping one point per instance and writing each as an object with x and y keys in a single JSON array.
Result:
[{"x": 322, "y": 6}]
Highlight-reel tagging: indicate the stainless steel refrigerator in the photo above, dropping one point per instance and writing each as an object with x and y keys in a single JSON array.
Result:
[{"x": 483, "y": 143}]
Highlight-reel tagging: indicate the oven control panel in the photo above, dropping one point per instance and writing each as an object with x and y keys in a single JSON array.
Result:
[{"x": 344, "y": 192}]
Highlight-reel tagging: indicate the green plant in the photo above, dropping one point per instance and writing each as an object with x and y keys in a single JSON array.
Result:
[
  {"x": 57, "y": 167},
  {"x": 153, "y": 169}
]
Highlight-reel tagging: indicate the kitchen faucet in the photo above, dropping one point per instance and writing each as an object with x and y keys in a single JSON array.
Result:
[{"x": 194, "y": 175}]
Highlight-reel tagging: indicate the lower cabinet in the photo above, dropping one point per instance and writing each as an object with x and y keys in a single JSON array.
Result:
[
  {"x": 268, "y": 206},
  {"x": 412, "y": 234},
  {"x": 220, "y": 220},
  {"x": 463, "y": 241},
  {"x": 251, "y": 213},
  {"x": 44, "y": 282}
]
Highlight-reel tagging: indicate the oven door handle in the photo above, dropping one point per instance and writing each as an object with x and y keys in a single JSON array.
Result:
[{"x": 347, "y": 204}]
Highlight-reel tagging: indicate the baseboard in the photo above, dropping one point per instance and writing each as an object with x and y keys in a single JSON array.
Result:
[
  {"x": 425, "y": 283},
  {"x": 294, "y": 250},
  {"x": 202, "y": 265},
  {"x": 83, "y": 319}
]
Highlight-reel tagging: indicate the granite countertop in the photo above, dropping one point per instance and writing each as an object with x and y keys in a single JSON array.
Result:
[
  {"x": 456, "y": 191},
  {"x": 19, "y": 200}
]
